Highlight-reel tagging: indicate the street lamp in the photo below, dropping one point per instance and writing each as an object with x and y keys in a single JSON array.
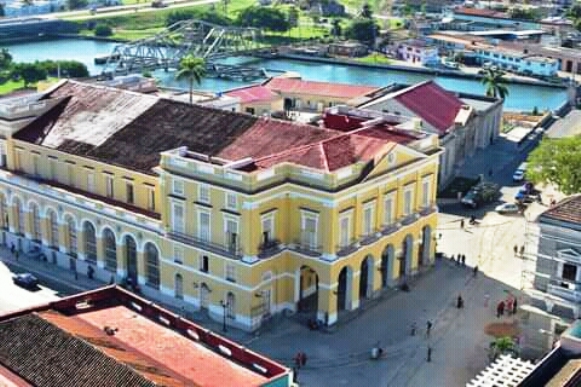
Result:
[{"x": 225, "y": 305}]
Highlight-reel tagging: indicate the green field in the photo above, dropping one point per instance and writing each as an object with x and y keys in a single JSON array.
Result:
[
  {"x": 11, "y": 86},
  {"x": 374, "y": 58}
]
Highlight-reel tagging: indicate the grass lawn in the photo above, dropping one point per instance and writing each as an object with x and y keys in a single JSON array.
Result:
[
  {"x": 11, "y": 86},
  {"x": 374, "y": 58},
  {"x": 135, "y": 34}
]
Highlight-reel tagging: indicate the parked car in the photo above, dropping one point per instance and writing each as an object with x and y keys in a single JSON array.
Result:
[
  {"x": 25, "y": 280},
  {"x": 507, "y": 208},
  {"x": 518, "y": 175}
]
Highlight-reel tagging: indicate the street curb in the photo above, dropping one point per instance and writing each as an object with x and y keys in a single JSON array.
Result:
[{"x": 42, "y": 273}]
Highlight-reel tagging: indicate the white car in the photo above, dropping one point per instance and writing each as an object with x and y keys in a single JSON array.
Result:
[
  {"x": 518, "y": 175},
  {"x": 507, "y": 208}
]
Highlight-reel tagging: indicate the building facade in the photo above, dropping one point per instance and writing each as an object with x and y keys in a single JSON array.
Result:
[
  {"x": 216, "y": 211},
  {"x": 557, "y": 281},
  {"x": 418, "y": 52}
]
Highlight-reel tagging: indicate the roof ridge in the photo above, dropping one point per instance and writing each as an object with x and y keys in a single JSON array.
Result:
[{"x": 325, "y": 158}]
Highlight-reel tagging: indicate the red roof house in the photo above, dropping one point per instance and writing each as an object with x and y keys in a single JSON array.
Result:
[{"x": 327, "y": 89}]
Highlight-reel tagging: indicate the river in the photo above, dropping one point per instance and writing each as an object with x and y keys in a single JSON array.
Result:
[{"x": 521, "y": 97}]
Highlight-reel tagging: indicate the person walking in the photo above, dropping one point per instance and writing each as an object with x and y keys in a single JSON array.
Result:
[
  {"x": 459, "y": 302},
  {"x": 500, "y": 309},
  {"x": 429, "y": 358},
  {"x": 414, "y": 327},
  {"x": 463, "y": 260},
  {"x": 475, "y": 271},
  {"x": 522, "y": 251},
  {"x": 297, "y": 360},
  {"x": 428, "y": 328},
  {"x": 462, "y": 223},
  {"x": 515, "y": 248},
  {"x": 490, "y": 172},
  {"x": 303, "y": 359},
  {"x": 509, "y": 306},
  {"x": 12, "y": 248},
  {"x": 514, "y": 306}
]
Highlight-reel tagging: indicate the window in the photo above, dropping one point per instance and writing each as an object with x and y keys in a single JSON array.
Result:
[
  {"x": 151, "y": 265},
  {"x": 90, "y": 182},
  {"x": 19, "y": 216},
  {"x": 35, "y": 164},
  {"x": 344, "y": 230},
  {"x": 110, "y": 245},
  {"x": 426, "y": 192},
  {"x": 309, "y": 230},
  {"x": 231, "y": 201},
  {"x": 54, "y": 229},
  {"x": 72, "y": 232},
  {"x": 267, "y": 228},
  {"x": 368, "y": 222},
  {"x": 205, "y": 266},
  {"x": 178, "y": 217},
  {"x": 109, "y": 191},
  {"x": 179, "y": 287},
  {"x": 178, "y": 187},
  {"x": 231, "y": 229},
  {"x": 129, "y": 192},
  {"x": 569, "y": 272},
  {"x": 90, "y": 242},
  {"x": 71, "y": 174},
  {"x": 151, "y": 198},
  {"x": 388, "y": 209},
  {"x": 52, "y": 175},
  {"x": 230, "y": 272},
  {"x": 407, "y": 202},
  {"x": 178, "y": 255},
  {"x": 3, "y": 212},
  {"x": 204, "y": 226},
  {"x": 204, "y": 193}
]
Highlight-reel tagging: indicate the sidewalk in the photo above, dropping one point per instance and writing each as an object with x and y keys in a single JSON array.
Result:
[{"x": 51, "y": 272}]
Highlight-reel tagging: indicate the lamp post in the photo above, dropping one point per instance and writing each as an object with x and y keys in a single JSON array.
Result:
[{"x": 224, "y": 306}]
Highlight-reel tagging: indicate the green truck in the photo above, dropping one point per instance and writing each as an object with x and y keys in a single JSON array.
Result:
[{"x": 481, "y": 193}]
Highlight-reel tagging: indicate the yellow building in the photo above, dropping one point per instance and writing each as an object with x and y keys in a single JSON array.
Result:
[
  {"x": 257, "y": 100},
  {"x": 214, "y": 210}
]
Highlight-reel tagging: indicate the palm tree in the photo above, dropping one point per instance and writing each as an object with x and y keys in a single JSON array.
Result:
[
  {"x": 193, "y": 69},
  {"x": 495, "y": 83}
]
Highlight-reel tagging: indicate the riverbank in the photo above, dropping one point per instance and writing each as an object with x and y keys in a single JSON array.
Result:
[{"x": 411, "y": 69}]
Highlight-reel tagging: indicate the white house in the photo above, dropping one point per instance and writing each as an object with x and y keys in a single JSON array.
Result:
[{"x": 418, "y": 52}]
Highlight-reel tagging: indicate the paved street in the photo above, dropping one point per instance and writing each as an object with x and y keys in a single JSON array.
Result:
[{"x": 569, "y": 125}]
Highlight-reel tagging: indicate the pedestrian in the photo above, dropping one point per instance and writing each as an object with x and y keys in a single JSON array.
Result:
[
  {"x": 429, "y": 354},
  {"x": 514, "y": 306},
  {"x": 428, "y": 328},
  {"x": 522, "y": 251},
  {"x": 500, "y": 309},
  {"x": 475, "y": 271},
  {"x": 509, "y": 306},
  {"x": 452, "y": 258},
  {"x": 297, "y": 360},
  {"x": 459, "y": 302},
  {"x": 463, "y": 260},
  {"x": 515, "y": 248},
  {"x": 295, "y": 374},
  {"x": 462, "y": 223},
  {"x": 490, "y": 172},
  {"x": 303, "y": 359},
  {"x": 414, "y": 326},
  {"x": 12, "y": 248}
]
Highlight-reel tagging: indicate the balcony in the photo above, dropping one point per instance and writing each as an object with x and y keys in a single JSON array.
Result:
[
  {"x": 232, "y": 250},
  {"x": 571, "y": 294},
  {"x": 409, "y": 219},
  {"x": 269, "y": 248},
  {"x": 307, "y": 244},
  {"x": 369, "y": 238},
  {"x": 425, "y": 211},
  {"x": 348, "y": 248},
  {"x": 387, "y": 229}
]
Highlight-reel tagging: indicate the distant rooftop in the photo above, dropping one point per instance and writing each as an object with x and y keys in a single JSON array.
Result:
[
  {"x": 567, "y": 210},
  {"x": 253, "y": 93},
  {"x": 329, "y": 89},
  {"x": 110, "y": 337}
]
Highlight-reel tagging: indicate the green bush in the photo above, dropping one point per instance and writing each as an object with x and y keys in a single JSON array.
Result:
[{"x": 103, "y": 30}]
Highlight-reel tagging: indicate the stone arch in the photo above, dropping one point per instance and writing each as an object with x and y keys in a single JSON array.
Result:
[
  {"x": 154, "y": 244},
  {"x": 48, "y": 208},
  {"x": 387, "y": 262},
  {"x": 426, "y": 246},
  {"x": 406, "y": 256},
  {"x": 104, "y": 228},
  {"x": 344, "y": 286},
  {"x": 307, "y": 287},
  {"x": 4, "y": 213},
  {"x": 130, "y": 256},
  {"x": 20, "y": 216},
  {"x": 109, "y": 240},
  {"x": 34, "y": 218},
  {"x": 152, "y": 258},
  {"x": 52, "y": 226},
  {"x": 90, "y": 241},
  {"x": 69, "y": 215},
  {"x": 12, "y": 197},
  {"x": 366, "y": 275},
  {"x": 32, "y": 202},
  {"x": 72, "y": 227},
  {"x": 121, "y": 239}
]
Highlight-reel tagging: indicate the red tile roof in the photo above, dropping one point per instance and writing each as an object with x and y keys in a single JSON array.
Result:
[
  {"x": 338, "y": 90},
  {"x": 148, "y": 346},
  {"x": 435, "y": 105},
  {"x": 482, "y": 12},
  {"x": 567, "y": 210},
  {"x": 255, "y": 93}
]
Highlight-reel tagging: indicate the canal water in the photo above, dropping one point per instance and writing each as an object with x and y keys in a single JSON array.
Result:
[{"x": 521, "y": 97}]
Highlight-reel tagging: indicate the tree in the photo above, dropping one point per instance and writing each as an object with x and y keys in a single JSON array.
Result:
[
  {"x": 558, "y": 162},
  {"x": 366, "y": 11},
  {"x": 271, "y": 19},
  {"x": 574, "y": 12},
  {"x": 193, "y": 69},
  {"x": 176, "y": 16},
  {"x": 502, "y": 345},
  {"x": 5, "y": 59},
  {"x": 293, "y": 16},
  {"x": 103, "y": 30},
  {"x": 30, "y": 72},
  {"x": 524, "y": 14},
  {"x": 76, "y": 4},
  {"x": 363, "y": 30},
  {"x": 336, "y": 29},
  {"x": 215, "y": 18},
  {"x": 495, "y": 83}
]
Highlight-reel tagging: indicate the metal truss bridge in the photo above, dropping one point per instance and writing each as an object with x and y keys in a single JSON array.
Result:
[{"x": 166, "y": 49}]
